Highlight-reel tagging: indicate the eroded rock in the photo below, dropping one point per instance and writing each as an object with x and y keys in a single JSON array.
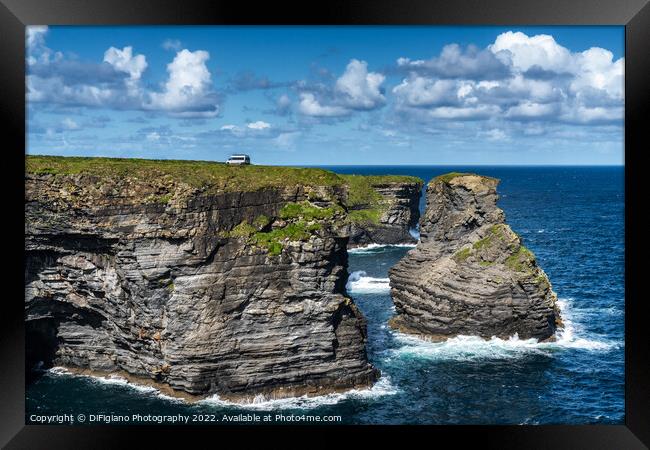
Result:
[{"x": 470, "y": 273}]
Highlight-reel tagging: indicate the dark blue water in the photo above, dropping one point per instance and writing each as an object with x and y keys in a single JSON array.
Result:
[{"x": 571, "y": 217}]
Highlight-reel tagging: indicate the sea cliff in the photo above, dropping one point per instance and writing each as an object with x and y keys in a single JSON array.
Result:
[
  {"x": 470, "y": 274},
  {"x": 204, "y": 278},
  {"x": 383, "y": 209}
]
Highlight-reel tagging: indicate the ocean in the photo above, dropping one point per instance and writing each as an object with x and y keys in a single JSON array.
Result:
[{"x": 572, "y": 218}]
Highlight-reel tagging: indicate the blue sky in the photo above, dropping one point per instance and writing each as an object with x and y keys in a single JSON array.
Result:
[{"x": 329, "y": 95}]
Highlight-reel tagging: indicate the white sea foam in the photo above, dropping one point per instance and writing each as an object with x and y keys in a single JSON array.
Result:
[
  {"x": 114, "y": 380},
  {"x": 372, "y": 248},
  {"x": 464, "y": 348},
  {"x": 415, "y": 232},
  {"x": 360, "y": 283},
  {"x": 379, "y": 389}
]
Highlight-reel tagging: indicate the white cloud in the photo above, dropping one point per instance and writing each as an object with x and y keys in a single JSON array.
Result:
[
  {"x": 35, "y": 35},
  {"x": 456, "y": 62},
  {"x": 420, "y": 91},
  {"x": 153, "y": 136},
  {"x": 124, "y": 61},
  {"x": 529, "y": 110},
  {"x": 358, "y": 88},
  {"x": 524, "y": 52},
  {"x": 172, "y": 44},
  {"x": 287, "y": 140},
  {"x": 544, "y": 82},
  {"x": 187, "y": 91},
  {"x": 259, "y": 125},
  {"x": 115, "y": 82},
  {"x": 229, "y": 127},
  {"x": 310, "y": 106},
  {"x": 464, "y": 113}
]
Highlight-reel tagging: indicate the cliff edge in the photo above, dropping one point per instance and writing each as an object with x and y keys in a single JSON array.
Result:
[
  {"x": 470, "y": 273},
  {"x": 196, "y": 276}
]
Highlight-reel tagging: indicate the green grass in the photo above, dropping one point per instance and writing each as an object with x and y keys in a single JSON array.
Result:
[
  {"x": 272, "y": 240},
  {"x": 242, "y": 230},
  {"x": 447, "y": 177},
  {"x": 261, "y": 222},
  {"x": 462, "y": 254},
  {"x": 365, "y": 203},
  {"x": 307, "y": 211},
  {"x": 521, "y": 261},
  {"x": 200, "y": 174},
  {"x": 495, "y": 232}
]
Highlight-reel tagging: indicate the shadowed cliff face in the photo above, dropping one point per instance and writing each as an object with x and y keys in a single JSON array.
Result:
[
  {"x": 231, "y": 293},
  {"x": 470, "y": 273},
  {"x": 399, "y": 215}
]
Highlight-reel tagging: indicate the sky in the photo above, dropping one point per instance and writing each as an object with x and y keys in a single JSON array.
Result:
[{"x": 338, "y": 95}]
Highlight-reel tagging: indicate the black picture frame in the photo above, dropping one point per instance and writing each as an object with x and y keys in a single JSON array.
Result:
[{"x": 633, "y": 14}]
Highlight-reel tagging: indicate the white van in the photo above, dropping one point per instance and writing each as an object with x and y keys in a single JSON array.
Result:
[{"x": 239, "y": 159}]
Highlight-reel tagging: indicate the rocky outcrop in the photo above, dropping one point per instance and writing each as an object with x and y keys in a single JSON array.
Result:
[
  {"x": 235, "y": 293},
  {"x": 470, "y": 273},
  {"x": 398, "y": 215}
]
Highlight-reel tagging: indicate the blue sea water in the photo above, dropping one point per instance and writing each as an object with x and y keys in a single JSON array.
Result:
[{"x": 572, "y": 218}]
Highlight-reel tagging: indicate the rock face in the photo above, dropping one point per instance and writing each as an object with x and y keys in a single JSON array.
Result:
[
  {"x": 470, "y": 273},
  {"x": 398, "y": 217},
  {"x": 203, "y": 292}
]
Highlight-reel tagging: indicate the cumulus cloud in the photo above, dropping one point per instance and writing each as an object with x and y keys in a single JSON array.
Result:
[
  {"x": 455, "y": 62},
  {"x": 310, "y": 106},
  {"x": 187, "y": 91},
  {"x": 356, "y": 89},
  {"x": 124, "y": 61},
  {"x": 420, "y": 91},
  {"x": 519, "y": 78},
  {"x": 116, "y": 81}
]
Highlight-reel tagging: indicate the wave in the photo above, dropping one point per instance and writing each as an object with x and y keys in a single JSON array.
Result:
[
  {"x": 114, "y": 380},
  {"x": 360, "y": 283},
  {"x": 373, "y": 248},
  {"x": 381, "y": 388},
  {"x": 466, "y": 348},
  {"x": 260, "y": 402}
]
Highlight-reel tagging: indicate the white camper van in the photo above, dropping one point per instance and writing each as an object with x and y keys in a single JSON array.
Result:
[{"x": 239, "y": 159}]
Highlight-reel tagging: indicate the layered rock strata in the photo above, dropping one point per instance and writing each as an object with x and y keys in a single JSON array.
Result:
[
  {"x": 235, "y": 293},
  {"x": 470, "y": 273},
  {"x": 397, "y": 213}
]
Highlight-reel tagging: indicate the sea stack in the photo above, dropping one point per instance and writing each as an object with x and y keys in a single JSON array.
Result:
[{"x": 470, "y": 274}]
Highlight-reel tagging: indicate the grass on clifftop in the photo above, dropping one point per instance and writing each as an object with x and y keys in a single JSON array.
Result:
[
  {"x": 198, "y": 174},
  {"x": 447, "y": 177},
  {"x": 212, "y": 174}
]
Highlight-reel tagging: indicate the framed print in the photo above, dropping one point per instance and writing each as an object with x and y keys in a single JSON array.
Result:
[{"x": 397, "y": 218}]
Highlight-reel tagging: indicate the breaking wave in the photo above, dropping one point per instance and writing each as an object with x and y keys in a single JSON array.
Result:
[
  {"x": 374, "y": 248},
  {"x": 360, "y": 283},
  {"x": 465, "y": 348},
  {"x": 379, "y": 389},
  {"x": 112, "y": 380}
]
